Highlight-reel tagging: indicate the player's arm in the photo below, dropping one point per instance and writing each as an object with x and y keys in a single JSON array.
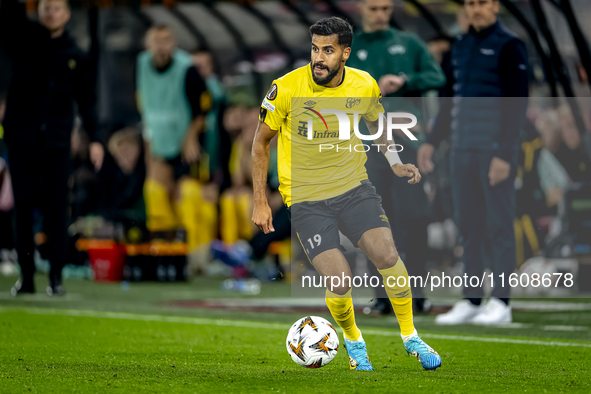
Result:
[
  {"x": 200, "y": 103},
  {"x": 401, "y": 170},
  {"x": 262, "y": 215}
]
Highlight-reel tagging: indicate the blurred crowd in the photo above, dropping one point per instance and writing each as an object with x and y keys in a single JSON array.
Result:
[{"x": 187, "y": 166}]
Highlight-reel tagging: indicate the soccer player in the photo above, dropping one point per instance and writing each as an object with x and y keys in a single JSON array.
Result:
[{"x": 334, "y": 193}]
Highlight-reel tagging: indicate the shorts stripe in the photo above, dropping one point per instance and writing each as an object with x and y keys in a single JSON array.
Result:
[{"x": 299, "y": 239}]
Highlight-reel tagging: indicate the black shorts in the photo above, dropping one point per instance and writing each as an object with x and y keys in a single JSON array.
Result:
[
  {"x": 180, "y": 168},
  {"x": 317, "y": 223}
]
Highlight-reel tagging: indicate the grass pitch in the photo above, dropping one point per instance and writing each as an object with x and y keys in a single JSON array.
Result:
[{"x": 88, "y": 344}]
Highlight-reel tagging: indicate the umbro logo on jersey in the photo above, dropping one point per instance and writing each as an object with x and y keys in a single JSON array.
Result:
[{"x": 310, "y": 103}]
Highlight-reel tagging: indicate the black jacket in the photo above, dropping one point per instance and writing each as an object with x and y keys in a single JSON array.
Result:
[
  {"x": 49, "y": 77},
  {"x": 488, "y": 78}
]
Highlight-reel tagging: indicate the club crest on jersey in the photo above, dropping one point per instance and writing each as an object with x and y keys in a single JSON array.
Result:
[
  {"x": 351, "y": 102},
  {"x": 272, "y": 93}
]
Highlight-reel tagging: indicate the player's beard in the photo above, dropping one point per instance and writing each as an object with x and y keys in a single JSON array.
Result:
[{"x": 326, "y": 80}]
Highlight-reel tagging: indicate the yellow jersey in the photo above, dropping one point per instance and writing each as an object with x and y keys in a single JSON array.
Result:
[{"x": 313, "y": 162}]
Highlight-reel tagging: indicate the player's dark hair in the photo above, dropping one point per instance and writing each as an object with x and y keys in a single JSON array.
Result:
[{"x": 334, "y": 25}]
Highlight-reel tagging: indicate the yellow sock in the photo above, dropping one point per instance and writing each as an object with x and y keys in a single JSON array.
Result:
[
  {"x": 243, "y": 213},
  {"x": 189, "y": 210},
  {"x": 208, "y": 217},
  {"x": 400, "y": 297},
  {"x": 341, "y": 309},
  {"x": 159, "y": 212},
  {"x": 229, "y": 222}
]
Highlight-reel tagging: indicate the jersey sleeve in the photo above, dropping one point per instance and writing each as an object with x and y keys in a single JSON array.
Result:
[
  {"x": 275, "y": 106},
  {"x": 375, "y": 106}
]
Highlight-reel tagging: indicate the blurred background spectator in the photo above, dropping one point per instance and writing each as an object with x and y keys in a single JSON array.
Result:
[
  {"x": 488, "y": 70},
  {"x": 173, "y": 100},
  {"x": 50, "y": 74}
]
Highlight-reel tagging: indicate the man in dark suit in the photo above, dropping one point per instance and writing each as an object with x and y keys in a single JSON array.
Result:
[
  {"x": 50, "y": 74},
  {"x": 488, "y": 81}
]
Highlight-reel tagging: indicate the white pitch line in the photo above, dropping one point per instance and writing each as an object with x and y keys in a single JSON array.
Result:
[
  {"x": 565, "y": 328},
  {"x": 277, "y": 326}
]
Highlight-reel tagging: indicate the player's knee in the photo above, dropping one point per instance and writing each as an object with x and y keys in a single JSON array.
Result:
[
  {"x": 340, "y": 290},
  {"x": 386, "y": 260}
]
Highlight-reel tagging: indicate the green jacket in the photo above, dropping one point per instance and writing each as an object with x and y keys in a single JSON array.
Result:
[{"x": 400, "y": 53}]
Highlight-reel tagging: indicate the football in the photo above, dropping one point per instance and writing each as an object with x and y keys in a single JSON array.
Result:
[{"x": 312, "y": 342}]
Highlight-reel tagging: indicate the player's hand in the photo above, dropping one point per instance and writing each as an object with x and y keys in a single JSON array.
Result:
[
  {"x": 498, "y": 171},
  {"x": 390, "y": 84},
  {"x": 190, "y": 151},
  {"x": 409, "y": 171},
  {"x": 262, "y": 217},
  {"x": 424, "y": 158},
  {"x": 97, "y": 154}
]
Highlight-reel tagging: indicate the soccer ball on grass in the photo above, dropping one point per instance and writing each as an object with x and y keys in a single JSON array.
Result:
[{"x": 312, "y": 342}]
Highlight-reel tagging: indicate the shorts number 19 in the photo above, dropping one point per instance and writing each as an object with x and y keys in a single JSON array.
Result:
[{"x": 317, "y": 239}]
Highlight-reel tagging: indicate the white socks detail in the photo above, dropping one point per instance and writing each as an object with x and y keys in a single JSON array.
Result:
[
  {"x": 360, "y": 339},
  {"x": 407, "y": 337}
]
